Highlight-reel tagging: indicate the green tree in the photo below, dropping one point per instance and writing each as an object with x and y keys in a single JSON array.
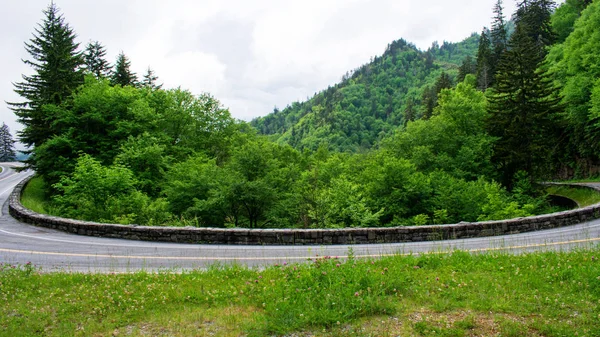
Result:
[
  {"x": 106, "y": 194},
  {"x": 499, "y": 37},
  {"x": 444, "y": 81},
  {"x": 453, "y": 140},
  {"x": 122, "y": 74},
  {"x": 524, "y": 108},
  {"x": 57, "y": 73},
  {"x": 468, "y": 66},
  {"x": 534, "y": 18},
  {"x": 95, "y": 61},
  {"x": 428, "y": 99},
  {"x": 563, "y": 19},
  {"x": 146, "y": 156},
  {"x": 485, "y": 73},
  {"x": 97, "y": 121},
  {"x": 196, "y": 189},
  {"x": 7, "y": 144},
  {"x": 409, "y": 111},
  {"x": 574, "y": 64},
  {"x": 150, "y": 80}
]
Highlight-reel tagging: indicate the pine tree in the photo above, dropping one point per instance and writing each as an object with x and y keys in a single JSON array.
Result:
[
  {"x": 7, "y": 145},
  {"x": 428, "y": 101},
  {"x": 524, "y": 110},
  {"x": 484, "y": 54},
  {"x": 468, "y": 66},
  {"x": 150, "y": 80},
  {"x": 57, "y": 65},
  {"x": 499, "y": 37},
  {"x": 95, "y": 61},
  {"x": 122, "y": 74},
  {"x": 409, "y": 111},
  {"x": 534, "y": 17},
  {"x": 443, "y": 82}
]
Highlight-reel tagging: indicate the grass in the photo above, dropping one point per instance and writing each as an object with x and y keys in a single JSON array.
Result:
[
  {"x": 586, "y": 180},
  {"x": 34, "y": 197},
  {"x": 582, "y": 195},
  {"x": 459, "y": 294}
]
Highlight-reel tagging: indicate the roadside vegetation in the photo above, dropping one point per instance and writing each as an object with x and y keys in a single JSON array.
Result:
[
  {"x": 414, "y": 137},
  {"x": 583, "y": 196},
  {"x": 458, "y": 294},
  {"x": 34, "y": 196}
]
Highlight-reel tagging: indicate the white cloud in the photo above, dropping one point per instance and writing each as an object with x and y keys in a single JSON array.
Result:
[{"x": 251, "y": 55}]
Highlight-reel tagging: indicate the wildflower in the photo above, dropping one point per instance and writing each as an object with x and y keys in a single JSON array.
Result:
[
  {"x": 337, "y": 265},
  {"x": 356, "y": 294}
]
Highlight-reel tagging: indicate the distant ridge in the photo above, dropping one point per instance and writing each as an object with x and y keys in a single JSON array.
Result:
[{"x": 370, "y": 101}]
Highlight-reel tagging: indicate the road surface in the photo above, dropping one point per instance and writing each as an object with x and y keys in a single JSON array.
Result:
[{"x": 53, "y": 250}]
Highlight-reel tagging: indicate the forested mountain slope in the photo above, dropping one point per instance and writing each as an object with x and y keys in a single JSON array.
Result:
[{"x": 372, "y": 100}]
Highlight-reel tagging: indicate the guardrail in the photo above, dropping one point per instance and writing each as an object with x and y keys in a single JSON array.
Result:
[{"x": 242, "y": 236}]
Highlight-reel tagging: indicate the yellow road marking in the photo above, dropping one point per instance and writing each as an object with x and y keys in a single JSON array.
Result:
[{"x": 206, "y": 258}]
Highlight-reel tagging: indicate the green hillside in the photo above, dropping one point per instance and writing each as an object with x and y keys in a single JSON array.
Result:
[{"x": 370, "y": 101}]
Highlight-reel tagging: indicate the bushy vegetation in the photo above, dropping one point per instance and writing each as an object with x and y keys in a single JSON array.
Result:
[
  {"x": 582, "y": 196},
  {"x": 411, "y": 138},
  {"x": 457, "y": 294},
  {"x": 372, "y": 101}
]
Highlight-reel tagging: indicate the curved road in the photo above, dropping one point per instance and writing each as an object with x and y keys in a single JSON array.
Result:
[{"x": 54, "y": 250}]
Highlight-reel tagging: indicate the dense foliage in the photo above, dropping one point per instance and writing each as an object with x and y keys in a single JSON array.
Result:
[
  {"x": 370, "y": 102},
  {"x": 165, "y": 156},
  {"x": 446, "y": 150}
]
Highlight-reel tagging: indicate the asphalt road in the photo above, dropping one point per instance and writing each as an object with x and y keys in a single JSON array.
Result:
[{"x": 58, "y": 251}]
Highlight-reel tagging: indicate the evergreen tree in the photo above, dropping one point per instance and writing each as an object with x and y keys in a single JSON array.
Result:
[
  {"x": 7, "y": 145},
  {"x": 122, "y": 74},
  {"x": 150, "y": 80},
  {"x": 484, "y": 55},
  {"x": 95, "y": 61},
  {"x": 468, "y": 66},
  {"x": 57, "y": 66},
  {"x": 409, "y": 111},
  {"x": 443, "y": 82},
  {"x": 534, "y": 17},
  {"x": 523, "y": 110},
  {"x": 498, "y": 36},
  {"x": 428, "y": 101}
]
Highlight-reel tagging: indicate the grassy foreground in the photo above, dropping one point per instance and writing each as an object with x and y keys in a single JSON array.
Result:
[{"x": 459, "y": 294}]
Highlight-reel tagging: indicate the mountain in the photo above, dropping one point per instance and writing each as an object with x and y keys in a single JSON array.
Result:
[{"x": 370, "y": 101}]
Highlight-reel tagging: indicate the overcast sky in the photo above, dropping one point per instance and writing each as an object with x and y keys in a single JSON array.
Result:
[{"x": 251, "y": 55}]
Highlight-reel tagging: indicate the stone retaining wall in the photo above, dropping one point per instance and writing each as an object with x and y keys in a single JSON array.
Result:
[{"x": 301, "y": 236}]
